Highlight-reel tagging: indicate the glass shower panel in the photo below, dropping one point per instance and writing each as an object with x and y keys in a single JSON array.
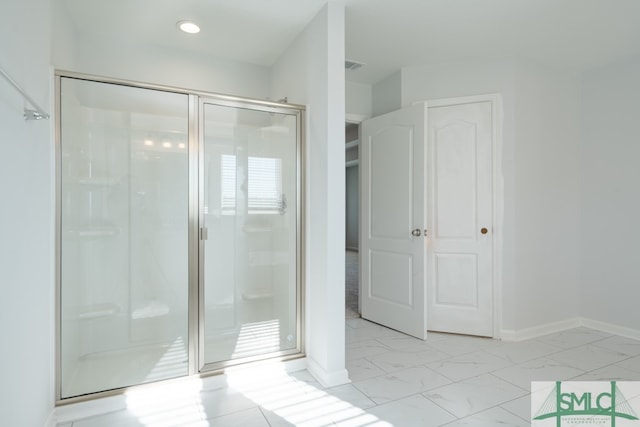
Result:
[
  {"x": 123, "y": 236},
  {"x": 250, "y": 254}
]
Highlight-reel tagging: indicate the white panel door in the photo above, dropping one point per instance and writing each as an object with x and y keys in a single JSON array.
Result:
[
  {"x": 393, "y": 289},
  {"x": 460, "y": 289}
]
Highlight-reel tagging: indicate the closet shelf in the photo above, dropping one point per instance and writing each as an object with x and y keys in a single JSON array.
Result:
[{"x": 352, "y": 144}]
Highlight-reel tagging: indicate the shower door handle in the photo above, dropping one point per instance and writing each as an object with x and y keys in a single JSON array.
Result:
[{"x": 204, "y": 233}]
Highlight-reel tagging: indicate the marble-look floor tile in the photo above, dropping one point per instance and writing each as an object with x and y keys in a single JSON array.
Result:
[
  {"x": 401, "y": 384},
  {"x": 351, "y": 395},
  {"x": 362, "y": 369},
  {"x": 302, "y": 377},
  {"x": 248, "y": 418},
  {"x": 276, "y": 420},
  {"x": 543, "y": 369},
  {"x": 624, "y": 345},
  {"x": 574, "y": 337},
  {"x": 319, "y": 408},
  {"x": 519, "y": 352},
  {"x": 520, "y": 407},
  {"x": 588, "y": 357},
  {"x": 411, "y": 411},
  {"x": 225, "y": 401},
  {"x": 398, "y": 360},
  {"x": 469, "y": 365},
  {"x": 368, "y": 348},
  {"x": 405, "y": 343},
  {"x": 492, "y": 388},
  {"x": 119, "y": 418},
  {"x": 493, "y": 417},
  {"x": 457, "y": 345},
  {"x": 359, "y": 322},
  {"x": 353, "y": 335},
  {"x": 632, "y": 363},
  {"x": 474, "y": 395},
  {"x": 609, "y": 373}
]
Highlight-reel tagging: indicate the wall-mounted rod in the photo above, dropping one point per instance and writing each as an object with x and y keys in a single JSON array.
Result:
[{"x": 36, "y": 113}]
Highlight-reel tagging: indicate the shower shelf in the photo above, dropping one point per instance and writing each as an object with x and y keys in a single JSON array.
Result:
[
  {"x": 256, "y": 229},
  {"x": 257, "y": 294},
  {"x": 99, "y": 310},
  {"x": 97, "y": 181},
  {"x": 93, "y": 231}
]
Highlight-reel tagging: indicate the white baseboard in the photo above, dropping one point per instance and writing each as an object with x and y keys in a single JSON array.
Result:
[
  {"x": 325, "y": 378},
  {"x": 563, "y": 325},
  {"x": 610, "y": 328},
  {"x": 540, "y": 330}
]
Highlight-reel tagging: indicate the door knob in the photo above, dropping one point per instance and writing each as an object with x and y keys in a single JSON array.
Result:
[
  {"x": 416, "y": 232},
  {"x": 484, "y": 230}
]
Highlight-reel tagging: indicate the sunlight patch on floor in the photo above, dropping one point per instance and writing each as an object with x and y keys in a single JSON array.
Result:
[
  {"x": 168, "y": 405},
  {"x": 297, "y": 402}
]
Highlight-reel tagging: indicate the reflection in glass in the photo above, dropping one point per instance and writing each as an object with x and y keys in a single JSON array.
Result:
[
  {"x": 250, "y": 199},
  {"x": 124, "y": 242}
]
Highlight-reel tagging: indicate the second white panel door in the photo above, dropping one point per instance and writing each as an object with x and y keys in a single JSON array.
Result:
[{"x": 460, "y": 200}]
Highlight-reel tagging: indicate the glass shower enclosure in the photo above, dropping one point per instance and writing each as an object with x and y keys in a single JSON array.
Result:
[{"x": 179, "y": 233}]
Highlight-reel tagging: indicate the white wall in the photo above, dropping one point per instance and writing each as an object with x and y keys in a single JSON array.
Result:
[
  {"x": 171, "y": 67},
  {"x": 359, "y": 99},
  {"x": 63, "y": 37},
  {"x": 26, "y": 220},
  {"x": 547, "y": 201},
  {"x": 387, "y": 94},
  {"x": 540, "y": 261},
  {"x": 311, "y": 72},
  {"x": 610, "y": 197}
]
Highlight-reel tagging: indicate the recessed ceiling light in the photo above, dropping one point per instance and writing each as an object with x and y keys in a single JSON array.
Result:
[{"x": 188, "y": 27}]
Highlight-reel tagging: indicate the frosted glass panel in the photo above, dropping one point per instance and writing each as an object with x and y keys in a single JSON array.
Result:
[
  {"x": 124, "y": 241},
  {"x": 250, "y": 212}
]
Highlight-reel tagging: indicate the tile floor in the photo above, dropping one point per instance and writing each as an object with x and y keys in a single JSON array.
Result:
[{"x": 449, "y": 380}]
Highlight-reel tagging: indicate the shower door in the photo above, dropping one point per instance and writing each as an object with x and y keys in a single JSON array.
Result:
[
  {"x": 123, "y": 236},
  {"x": 250, "y": 233},
  {"x": 178, "y": 234}
]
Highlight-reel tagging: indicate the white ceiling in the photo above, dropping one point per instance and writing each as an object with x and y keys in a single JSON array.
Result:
[{"x": 384, "y": 34}]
